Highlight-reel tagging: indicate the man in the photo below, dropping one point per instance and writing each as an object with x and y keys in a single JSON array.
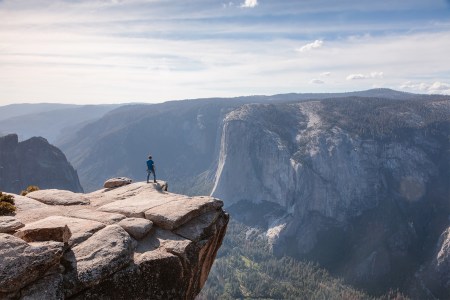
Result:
[{"x": 151, "y": 169}]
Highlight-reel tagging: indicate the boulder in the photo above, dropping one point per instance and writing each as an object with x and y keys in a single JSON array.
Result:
[
  {"x": 22, "y": 263},
  {"x": 9, "y": 224},
  {"x": 58, "y": 197},
  {"x": 136, "y": 227},
  {"x": 116, "y": 182},
  {"x": 45, "y": 231},
  {"x": 173, "y": 214},
  {"x": 80, "y": 229}
]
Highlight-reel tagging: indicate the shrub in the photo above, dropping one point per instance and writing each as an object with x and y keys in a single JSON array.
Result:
[
  {"x": 30, "y": 188},
  {"x": 7, "y": 209},
  {"x": 6, "y": 204},
  {"x": 7, "y": 198}
]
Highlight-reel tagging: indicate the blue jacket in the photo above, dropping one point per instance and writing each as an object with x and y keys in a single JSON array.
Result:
[{"x": 150, "y": 164}]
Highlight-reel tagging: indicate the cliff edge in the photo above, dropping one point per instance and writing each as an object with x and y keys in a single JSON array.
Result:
[{"x": 135, "y": 241}]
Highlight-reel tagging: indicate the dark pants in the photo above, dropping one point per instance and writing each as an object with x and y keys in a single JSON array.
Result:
[{"x": 148, "y": 174}]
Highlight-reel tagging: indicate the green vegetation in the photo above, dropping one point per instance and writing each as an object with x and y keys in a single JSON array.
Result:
[
  {"x": 6, "y": 204},
  {"x": 245, "y": 268},
  {"x": 29, "y": 189}
]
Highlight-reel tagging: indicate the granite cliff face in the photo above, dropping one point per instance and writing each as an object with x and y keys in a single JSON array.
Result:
[
  {"x": 136, "y": 241},
  {"x": 34, "y": 162},
  {"x": 360, "y": 185}
]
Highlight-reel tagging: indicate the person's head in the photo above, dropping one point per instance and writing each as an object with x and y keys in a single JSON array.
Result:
[{"x": 150, "y": 157}]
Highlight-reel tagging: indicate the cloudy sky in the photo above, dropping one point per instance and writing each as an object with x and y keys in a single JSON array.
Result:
[{"x": 115, "y": 51}]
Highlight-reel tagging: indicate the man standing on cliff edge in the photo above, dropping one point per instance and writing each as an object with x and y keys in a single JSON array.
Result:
[{"x": 151, "y": 169}]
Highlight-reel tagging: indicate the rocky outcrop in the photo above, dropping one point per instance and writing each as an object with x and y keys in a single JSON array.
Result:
[
  {"x": 44, "y": 231},
  {"x": 136, "y": 241},
  {"x": 34, "y": 162},
  {"x": 434, "y": 277}
]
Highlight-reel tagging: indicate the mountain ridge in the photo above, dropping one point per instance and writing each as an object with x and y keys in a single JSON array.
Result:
[{"x": 34, "y": 162}]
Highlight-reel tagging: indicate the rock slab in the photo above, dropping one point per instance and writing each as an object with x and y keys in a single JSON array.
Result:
[
  {"x": 58, "y": 197},
  {"x": 9, "y": 224},
  {"x": 95, "y": 215},
  {"x": 136, "y": 227}
]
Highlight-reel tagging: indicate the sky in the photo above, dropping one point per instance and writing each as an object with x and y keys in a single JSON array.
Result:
[{"x": 119, "y": 51}]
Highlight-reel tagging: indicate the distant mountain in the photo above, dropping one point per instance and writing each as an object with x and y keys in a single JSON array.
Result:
[
  {"x": 34, "y": 162},
  {"x": 373, "y": 93},
  {"x": 15, "y": 110},
  {"x": 50, "y": 121}
]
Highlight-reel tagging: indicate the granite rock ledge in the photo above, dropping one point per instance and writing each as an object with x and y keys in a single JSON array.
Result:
[{"x": 136, "y": 241}]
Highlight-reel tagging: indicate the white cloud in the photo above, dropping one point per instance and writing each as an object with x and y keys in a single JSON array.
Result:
[
  {"x": 374, "y": 75},
  {"x": 356, "y": 76},
  {"x": 316, "y": 81},
  {"x": 439, "y": 86},
  {"x": 422, "y": 87},
  {"x": 429, "y": 88},
  {"x": 249, "y": 3},
  {"x": 325, "y": 74},
  {"x": 308, "y": 47}
]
